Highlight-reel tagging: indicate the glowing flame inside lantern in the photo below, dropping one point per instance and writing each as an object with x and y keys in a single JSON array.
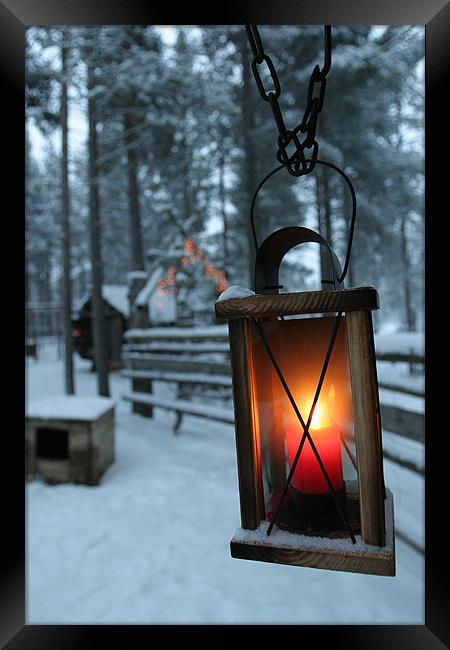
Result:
[{"x": 192, "y": 253}]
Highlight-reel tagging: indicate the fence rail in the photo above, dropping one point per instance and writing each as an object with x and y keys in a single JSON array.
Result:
[{"x": 207, "y": 349}]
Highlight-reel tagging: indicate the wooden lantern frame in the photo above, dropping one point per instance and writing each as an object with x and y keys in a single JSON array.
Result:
[{"x": 374, "y": 552}]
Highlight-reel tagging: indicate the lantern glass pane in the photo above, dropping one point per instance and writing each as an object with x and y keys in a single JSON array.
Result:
[{"x": 300, "y": 346}]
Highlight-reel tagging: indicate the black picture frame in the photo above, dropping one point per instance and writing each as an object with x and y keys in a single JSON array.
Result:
[{"x": 15, "y": 16}]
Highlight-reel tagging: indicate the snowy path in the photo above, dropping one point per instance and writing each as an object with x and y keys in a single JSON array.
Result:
[{"x": 151, "y": 543}]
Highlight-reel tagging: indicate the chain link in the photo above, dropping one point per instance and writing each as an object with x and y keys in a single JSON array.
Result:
[{"x": 296, "y": 163}]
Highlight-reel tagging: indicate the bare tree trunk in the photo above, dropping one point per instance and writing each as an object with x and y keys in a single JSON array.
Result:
[
  {"x": 45, "y": 290},
  {"x": 186, "y": 192},
  {"x": 410, "y": 316},
  {"x": 98, "y": 313},
  {"x": 323, "y": 202},
  {"x": 137, "y": 258},
  {"x": 28, "y": 331},
  {"x": 249, "y": 161},
  {"x": 409, "y": 311},
  {"x": 65, "y": 210},
  {"x": 225, "y": 233}
]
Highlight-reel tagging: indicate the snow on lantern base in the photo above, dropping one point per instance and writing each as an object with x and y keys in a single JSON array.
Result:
[
  {"x": 330, "y": 523},
  {"x": 337, "y": 554}
]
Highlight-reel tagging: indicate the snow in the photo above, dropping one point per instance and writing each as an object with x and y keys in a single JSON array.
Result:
[
  {"x": 114, "y": 294},
  {"x": 410, "y": 451},
  {"x": 235, "y": 291},
  {"x": 117, "y": 296},
  {"x": 194, "y": 377},
  {"x": 400, "y": 400},
  {"x": 70, "y": 408},
  {"x": 409, "y": 501},
  {"x": 401, "y": 343},
  {"x": 170, "y": 346},
  {"x": 144, "y": 294},
  {"x": 161, "y": 307},
  {"x": 398, "y": 374},
  {"x": 212, "y": 331},
  {"x": 286, "y": 539},
  {"x": 150, "y": 544},
  {"x": 194, "y": 408},
  {"x": 137, "y": 275}
]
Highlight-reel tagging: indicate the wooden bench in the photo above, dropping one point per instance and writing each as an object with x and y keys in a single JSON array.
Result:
[
  {"x": 192, "y": 358},
  {"x": 183, "y": 407}
]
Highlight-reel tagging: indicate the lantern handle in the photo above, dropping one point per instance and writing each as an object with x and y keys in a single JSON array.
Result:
[
  {"x": 352, "y": 218},
  {"x": 272, "y": 250}
]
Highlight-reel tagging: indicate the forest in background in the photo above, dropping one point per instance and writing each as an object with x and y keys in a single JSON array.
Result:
[{"x": 154, "y": 134}]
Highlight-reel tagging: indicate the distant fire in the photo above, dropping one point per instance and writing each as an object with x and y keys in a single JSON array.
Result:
[{"x": 192, "y": 253}]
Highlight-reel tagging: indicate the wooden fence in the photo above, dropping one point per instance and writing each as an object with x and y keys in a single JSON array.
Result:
[{"x": 204, "y": 351}]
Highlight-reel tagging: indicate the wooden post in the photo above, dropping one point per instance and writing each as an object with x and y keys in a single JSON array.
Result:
[
  {"x": 246, "y": 426},
  {"x": 65, "y": 223},
  {"x": 139, "y": 385},
  {"x": 367, "y": 434}
]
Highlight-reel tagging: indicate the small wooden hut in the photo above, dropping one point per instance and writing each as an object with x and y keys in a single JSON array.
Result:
[
  {"x": 116, "y": 305},
  {"x": 69, "y": 439}
]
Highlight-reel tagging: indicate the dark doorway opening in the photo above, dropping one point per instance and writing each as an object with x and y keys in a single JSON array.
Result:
[{"x": 52, "y": 443}]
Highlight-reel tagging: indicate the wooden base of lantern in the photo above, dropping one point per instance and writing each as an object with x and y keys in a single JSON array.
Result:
[{"x": 309, "y": 550}]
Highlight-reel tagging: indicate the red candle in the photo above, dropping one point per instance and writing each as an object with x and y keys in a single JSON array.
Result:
[{"x": 308, "y": 477}]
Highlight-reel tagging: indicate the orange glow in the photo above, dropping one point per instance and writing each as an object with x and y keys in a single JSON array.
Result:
[
  {"x": 167, "y": 284},
  {"x": 320, "y": 418},
  {"x": 300, "y": 347},
  {"x": 192, "y": 253},
  {"x": 308, "y": 477},
  {"x": 323, "y": 412}
]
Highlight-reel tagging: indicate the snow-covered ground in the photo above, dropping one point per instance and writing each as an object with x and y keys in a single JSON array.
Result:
[
  {"x": 150, "y": 544},
  {"x": 398, "y": 374}
]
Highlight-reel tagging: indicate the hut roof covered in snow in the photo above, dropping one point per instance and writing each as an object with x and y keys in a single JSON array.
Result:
[
  {"x": 116, "y": 295},
  {"x": 145, "y": 293}
]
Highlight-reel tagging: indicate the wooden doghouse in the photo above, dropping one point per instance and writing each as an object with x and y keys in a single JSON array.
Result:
[{"x": 69, "y": 439}]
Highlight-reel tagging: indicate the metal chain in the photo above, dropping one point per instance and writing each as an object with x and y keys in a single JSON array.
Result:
[{"x": 296, "y": 163}]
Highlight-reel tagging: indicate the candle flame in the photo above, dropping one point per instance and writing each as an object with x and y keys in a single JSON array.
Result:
[{"x": 321, "y": 418}]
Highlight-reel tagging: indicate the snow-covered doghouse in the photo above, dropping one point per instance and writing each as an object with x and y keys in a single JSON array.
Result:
[
  {"x": 69, "y": 439},
  {"x": 115, "y": 298}
]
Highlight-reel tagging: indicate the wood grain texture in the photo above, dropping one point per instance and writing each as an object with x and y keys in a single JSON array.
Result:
[
  {"x": 367, "y": 430},
  {"x": 356, "y": 561},
  {"x": 382, "y": 565},
  {"x": 246, "y": 426},
  {"x": 305, "y": 302}
]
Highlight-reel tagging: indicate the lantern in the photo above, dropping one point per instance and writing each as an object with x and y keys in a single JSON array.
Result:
[{"x": 307, "y": 420}]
